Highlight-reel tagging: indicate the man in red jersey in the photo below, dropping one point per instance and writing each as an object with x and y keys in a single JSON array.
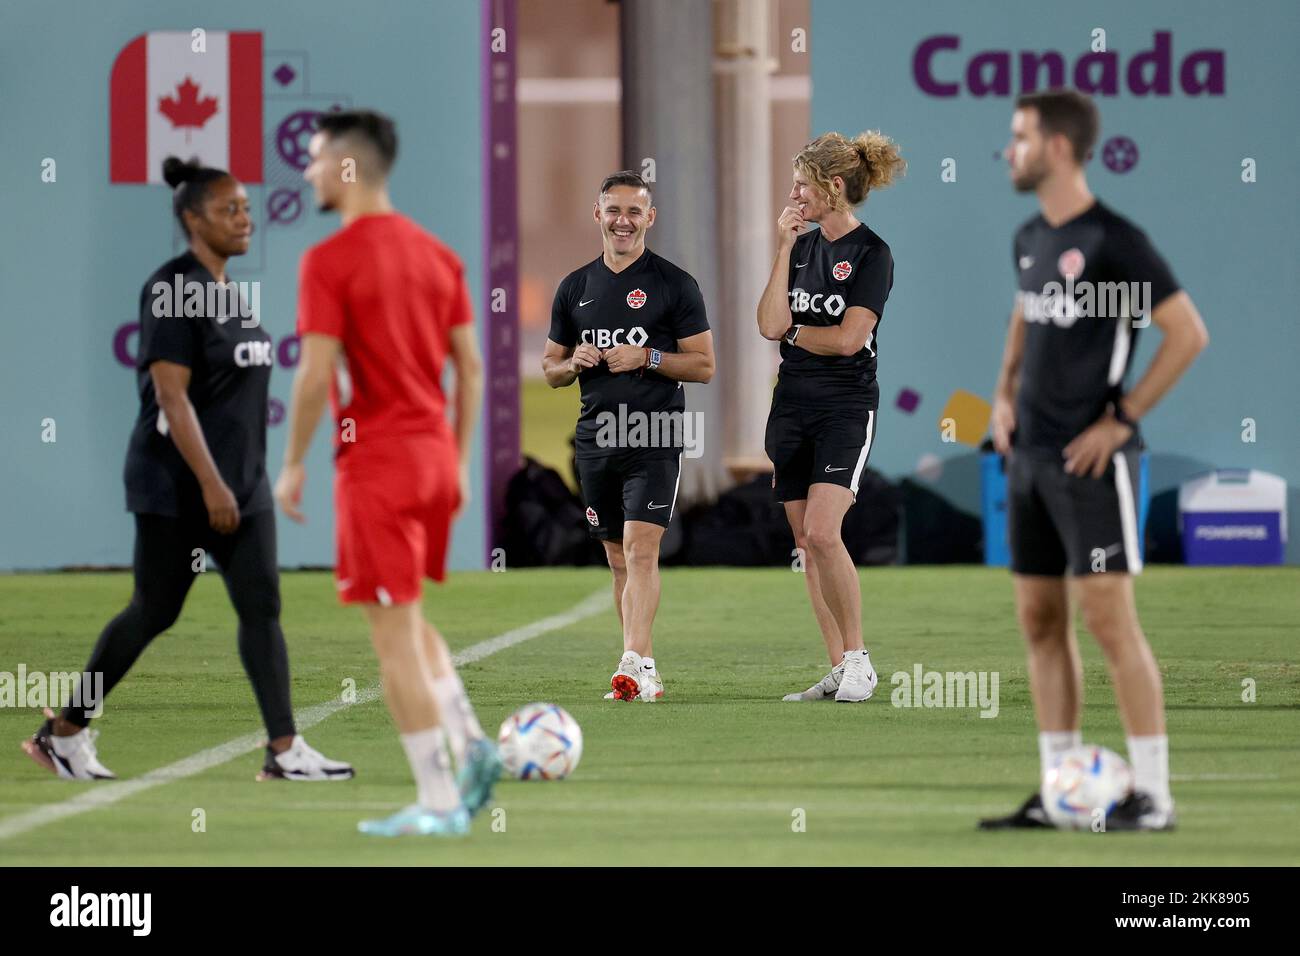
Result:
[{"x": 381, "y": 305}]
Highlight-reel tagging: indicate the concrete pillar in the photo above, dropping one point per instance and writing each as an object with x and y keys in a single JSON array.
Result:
[
  {"x": 743, "y": 66},
  {"x": 668, "y": 129}
]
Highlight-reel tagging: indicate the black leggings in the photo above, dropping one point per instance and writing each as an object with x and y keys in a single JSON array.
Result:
[{"x": 165, "y": 566}]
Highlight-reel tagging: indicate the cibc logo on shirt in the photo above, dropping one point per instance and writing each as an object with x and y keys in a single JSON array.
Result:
[
  {"x": 608, "y": 338},
  {"x": 801, "y": 301},
  {"x": 250, "y": 354}
]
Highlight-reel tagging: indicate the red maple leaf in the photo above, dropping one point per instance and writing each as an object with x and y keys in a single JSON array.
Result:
[{"x": 186, "y": 109}]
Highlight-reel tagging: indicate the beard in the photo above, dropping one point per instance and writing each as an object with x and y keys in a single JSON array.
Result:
[{"x": 1029, "y": 179}]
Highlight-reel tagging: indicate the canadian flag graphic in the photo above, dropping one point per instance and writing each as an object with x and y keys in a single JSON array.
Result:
[{"x": 168, "y": 100}]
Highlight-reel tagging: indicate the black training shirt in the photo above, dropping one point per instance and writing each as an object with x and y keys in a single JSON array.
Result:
[
  {"x": 826, "y": 279},
  {"x": 652, "y": 304},
  {"x": 230, "y": 376},
  {"x": 1082, "y": 295}
]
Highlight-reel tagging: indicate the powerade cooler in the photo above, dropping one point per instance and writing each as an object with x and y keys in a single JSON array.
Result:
[{"x": 1233, "y": 516}]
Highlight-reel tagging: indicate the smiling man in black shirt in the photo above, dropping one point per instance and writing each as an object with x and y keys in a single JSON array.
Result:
[
  {"x": 1089, "y": 281},
  {"x": 630, "y": 327}
]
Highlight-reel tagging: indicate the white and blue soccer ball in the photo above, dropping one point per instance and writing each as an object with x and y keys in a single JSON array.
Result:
[
  {"x": 1082, "y": 786},
  {"x": 540, "y": 742}
]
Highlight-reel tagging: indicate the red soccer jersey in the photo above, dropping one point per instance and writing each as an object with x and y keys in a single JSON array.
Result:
[{"x": 391, "y": 293}]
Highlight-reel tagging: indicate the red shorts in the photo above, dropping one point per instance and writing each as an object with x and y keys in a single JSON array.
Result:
[{"x": 394, "y": 502}]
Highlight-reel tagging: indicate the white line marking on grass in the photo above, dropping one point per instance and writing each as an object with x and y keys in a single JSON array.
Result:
[{"x": 110, "y": 793}]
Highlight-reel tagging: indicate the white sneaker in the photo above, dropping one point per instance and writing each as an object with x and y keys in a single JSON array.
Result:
[
  {"x": 824, "y": 689},
  {"x": 626, "y": 682},
  {"x": 652, "y": 685},
  {"x": 301, "y": 762},
  {"x": 859, "y": 680},
  {"x": 72, "y": 758}
]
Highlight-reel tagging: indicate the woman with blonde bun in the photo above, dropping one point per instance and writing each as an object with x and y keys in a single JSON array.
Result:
[{"x": 824, "y": 302}]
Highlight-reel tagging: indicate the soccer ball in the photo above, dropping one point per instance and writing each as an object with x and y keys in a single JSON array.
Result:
[
  {"x": 540, "y": 742},
  {"x": 1084, "y": 780}
]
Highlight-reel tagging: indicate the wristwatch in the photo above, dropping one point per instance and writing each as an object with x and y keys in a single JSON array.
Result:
[
  {"x": 792, "y": 334},
  {"x": 656, "y": 358}
]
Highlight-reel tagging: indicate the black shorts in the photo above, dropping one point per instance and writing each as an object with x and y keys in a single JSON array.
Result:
[
  {"x": 808, "y": 444},
  {"x": 629, "y": 485},
  {"x": 1057, "y": 521}
]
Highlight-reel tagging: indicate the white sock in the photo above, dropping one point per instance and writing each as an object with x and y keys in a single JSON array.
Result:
[
  {"x": 648, "y": 665},
  {"x": 457, "y": 714},
  {"x": 1150, "y": 759},
  {"x": 1051, "y": 743},
  {"x": 67, "y": 746},
  {"x": 866, "y": 657},
  {"x": 427, "y": 752}
]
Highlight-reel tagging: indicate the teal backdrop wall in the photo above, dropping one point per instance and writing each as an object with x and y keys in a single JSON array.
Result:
[
  {"x": 75, "y": 252},
  {"x": 1232, "y": 244}
]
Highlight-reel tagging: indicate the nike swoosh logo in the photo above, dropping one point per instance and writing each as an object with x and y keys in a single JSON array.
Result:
[
  {"x": 829, "y": 469},
  {"x": 588, "y": 302},
  {"x": 800, "y": 265},
  {"x": 652, "y": 506}
]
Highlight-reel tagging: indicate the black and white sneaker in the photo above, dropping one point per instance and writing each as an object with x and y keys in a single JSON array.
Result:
[
  {"x": 301, "y": 762},
  {"x": 70, "y": 758},
  {"x": 1031, "y": 815},
  {"x": 1139, "y": 811}
]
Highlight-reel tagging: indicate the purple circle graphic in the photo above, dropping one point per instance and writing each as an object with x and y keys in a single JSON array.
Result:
[
  {"x": 287, "y": 352},
  {"x": 283, "y": 206},
  {"x": 292, "y": 136},
  {"x": 122, "y": 350},
  {"x": 274, "y": 411},
  {"x": 1120, "y": 154}
]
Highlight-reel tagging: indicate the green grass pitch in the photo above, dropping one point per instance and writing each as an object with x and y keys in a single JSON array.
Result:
[{"x": 713, "y": 774}]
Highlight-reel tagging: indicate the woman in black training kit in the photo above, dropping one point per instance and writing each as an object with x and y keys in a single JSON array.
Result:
[{"x": 196, "y": 479}]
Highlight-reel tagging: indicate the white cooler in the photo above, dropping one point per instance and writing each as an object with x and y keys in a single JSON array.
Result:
[{"x": 1233, "y": 516}]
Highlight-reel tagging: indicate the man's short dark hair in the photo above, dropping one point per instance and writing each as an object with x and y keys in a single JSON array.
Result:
[
  {"x": 625, "y": 177},
  {"x": 1068, "y": 112},
  {"x": 375, "y": 128}
]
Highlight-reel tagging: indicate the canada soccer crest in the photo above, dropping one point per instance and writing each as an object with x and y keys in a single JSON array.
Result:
[
  {"x": 635, "y": 299},
  {"x": 592, "y": 519},
  {"x": 1070, "y": 264},
  {"x": 841, "y": 270}
]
